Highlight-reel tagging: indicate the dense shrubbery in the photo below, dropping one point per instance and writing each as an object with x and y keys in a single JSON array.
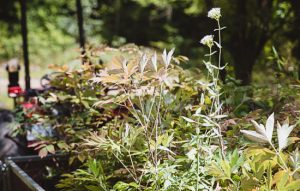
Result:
[{"x": 137, "y": 121}]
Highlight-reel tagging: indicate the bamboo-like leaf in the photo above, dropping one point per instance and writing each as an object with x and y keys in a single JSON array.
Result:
[
  {"x": 154, "y": 61},
  {"x": 110, "y": 79},
  {"x": 295, "y": 158},
  {"x": 103, "y": 102},
  {"x": 167, "y": 57},
  {"x": 192, "y": 154},
  {"x": 164, "y": 57},
  {"x": 170, "y": 54},
  {"x": 260, "y": 129},
  {"x": 188, "y": 119},
  {"x": 143, "y": 62},
  {"x": 283, "y": 133},
  {"x": 270, "y": 126},
  {"x": 254, "y": 136},
  {"x": 218, "y": 45},
  {"x": 265, "y": 131},
  {"x": 125, "y": 66},
  {"x": 163, "y": 148},
  {"x": 219, "y": 116}
]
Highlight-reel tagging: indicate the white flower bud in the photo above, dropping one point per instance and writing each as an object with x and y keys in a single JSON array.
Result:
[
  {"x": 214, "y": 13},
  {"x": 208, "y": 40}
]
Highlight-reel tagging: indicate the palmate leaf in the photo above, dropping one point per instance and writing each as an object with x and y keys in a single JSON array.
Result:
[
  {"x": 295, "y": 159},
  {"x": 283, "y": 181},
  {"x": 294, "y": 185},
  {"x": 263, "y": 134},
  {"x": 221, "y": 170}
]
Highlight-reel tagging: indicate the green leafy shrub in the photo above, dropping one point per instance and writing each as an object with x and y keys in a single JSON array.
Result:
[{"x": 137, "y": 121}]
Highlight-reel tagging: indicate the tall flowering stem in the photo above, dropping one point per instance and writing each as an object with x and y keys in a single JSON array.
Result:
[
  {"x": 215, "y": 14},
  {"x": 220, "y": 52}
]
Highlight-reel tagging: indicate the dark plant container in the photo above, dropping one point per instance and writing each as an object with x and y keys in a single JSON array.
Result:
[{"x": 32, "y": 173}]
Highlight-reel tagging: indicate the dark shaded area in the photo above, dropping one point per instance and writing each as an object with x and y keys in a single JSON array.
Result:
[
  {"x": 80, "y": 24},
  {"x": 8, "y": 147},
  {"x": 295, "y": 31},
  {"x": 23, "y": 4},
  {"x": 45, "y": 172}
]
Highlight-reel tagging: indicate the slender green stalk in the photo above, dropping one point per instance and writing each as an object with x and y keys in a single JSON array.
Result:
[
  {"x": 278, "y": 154},
  {"x": 218, "y": 94},
  {"x": 219, "y": 60},
  {"x": 125, "y": 166},
  {"x": 198, "y": 158},
  {"x": 156, "y": 136}
]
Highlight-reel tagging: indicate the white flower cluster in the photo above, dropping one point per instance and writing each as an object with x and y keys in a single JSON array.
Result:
[
  {"x": 208, "y": 40},
  {"x": 214, "y": 13}
]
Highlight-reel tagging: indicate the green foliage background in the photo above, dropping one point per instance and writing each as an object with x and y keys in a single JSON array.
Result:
[{"x": 253, "y": 28}]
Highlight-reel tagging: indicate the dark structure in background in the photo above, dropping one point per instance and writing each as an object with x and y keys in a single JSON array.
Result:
[
  {"x": 80, "y": 25},
  {"x": 25, "y": 39},
  {"x": 25, "y": 44},
  {"x": 295, "y": 31},
  {"x": 13, "y": 69},
  {"x": 10, "y": 146}
]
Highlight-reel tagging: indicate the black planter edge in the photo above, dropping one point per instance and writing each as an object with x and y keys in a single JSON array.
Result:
[
  {"x": 13, "y": 168},
  {"x": 23, "y": 176}
]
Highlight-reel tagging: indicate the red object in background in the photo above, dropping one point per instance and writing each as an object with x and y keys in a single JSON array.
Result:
[
  {"x": 15, "y": 91},
  {"x": 30, "y": 107}
]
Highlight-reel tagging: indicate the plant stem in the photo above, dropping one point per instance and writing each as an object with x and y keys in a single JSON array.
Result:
[
  {"x": 198, "y": 158},
  {"x": 129, "y": 171},
  {"x": 218, "y": 95},
  {"x": 156, "y": 135},
  {"x": 278, "y": 154},
  {"x": 219, "y": 61}
]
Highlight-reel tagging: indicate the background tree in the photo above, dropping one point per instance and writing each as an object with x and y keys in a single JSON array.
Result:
[
  {"x": 295, "y": 32},
  {"x": 252, "y": 24}
]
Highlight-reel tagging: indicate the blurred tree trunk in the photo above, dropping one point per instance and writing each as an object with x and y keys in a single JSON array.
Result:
[
  {"x": 25, "y": 43},
  {"x": 250, "y": 32},
  {"x": 296, "y": 32},
  {"x": 80, "y": 25}
]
